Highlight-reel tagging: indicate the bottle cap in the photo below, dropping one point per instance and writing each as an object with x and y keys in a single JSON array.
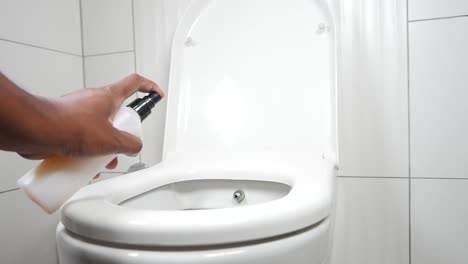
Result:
[{"x": 144, "y": 105}]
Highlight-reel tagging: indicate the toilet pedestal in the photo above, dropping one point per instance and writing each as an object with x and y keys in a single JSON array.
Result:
[{"x": 308, "y": 246}]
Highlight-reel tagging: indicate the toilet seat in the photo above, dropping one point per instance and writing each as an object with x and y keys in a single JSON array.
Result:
[{"x": 95, "y": 213}]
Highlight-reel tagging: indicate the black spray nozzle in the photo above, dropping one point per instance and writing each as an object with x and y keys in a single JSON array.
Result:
[
  {"x": 144, "y": 105},
  {"x": 134, "y": 103}
]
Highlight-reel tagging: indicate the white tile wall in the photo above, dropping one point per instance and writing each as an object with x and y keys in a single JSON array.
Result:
[
  {"x": 40, "y": 50},
  {"x": 439, "y": 217},
  {"x": 107, "y": 69},
  {"x": 438, "y": 125},
  {"x": 27, "y": 234},
  {"x": 427, "y": 9},
  {"x": 25, "y": 66},
  {"x": 39, "y": 71},
  {"x": 372, "y": 221},
  {"x": 107, "y": 26},
  {"x": 13, "y": 167},
  {"x": 372, "y": 91},
  {"x": 438, "y": 92},
  {"x": 53, "y": 24}
]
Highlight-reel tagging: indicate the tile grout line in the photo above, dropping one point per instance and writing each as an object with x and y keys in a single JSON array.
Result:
[
  {"x": 10, "y": 190},
  {"x": 133, "y": 36},
  {"x": 411, "y": 178},
  {"x": 410, "y": 255},
  {"x": 134, "y": 54},
  {"x": 108, "y": 53},
  {"x": 39, "y": 47},
  {"x": 437, "y": 178},
  {"x": 435, "y": 18},
  {"x": 371, "y": 177},
  {"x": 82, "y": 45}
]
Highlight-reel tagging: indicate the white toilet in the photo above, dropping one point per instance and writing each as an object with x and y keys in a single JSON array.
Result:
[{"x": 249, "y": 152}]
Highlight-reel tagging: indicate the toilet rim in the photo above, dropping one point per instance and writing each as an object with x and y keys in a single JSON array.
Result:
[{"x": 95, "y": 213}]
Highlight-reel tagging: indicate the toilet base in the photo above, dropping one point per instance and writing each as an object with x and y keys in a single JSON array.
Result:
[{"x": 309, "y": 246}]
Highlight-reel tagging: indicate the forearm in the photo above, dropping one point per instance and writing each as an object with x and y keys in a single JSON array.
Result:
[
  {"x": 26, "y": 121},
  {"x": 77, "y": 124}
]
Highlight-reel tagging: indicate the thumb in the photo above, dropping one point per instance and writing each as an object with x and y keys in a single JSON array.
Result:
[{"x": 128, "y": 144}]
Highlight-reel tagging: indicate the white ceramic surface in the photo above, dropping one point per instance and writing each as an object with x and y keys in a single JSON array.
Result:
[
  {"x": 26, "y": 233},
  {"x": 254, "y": 85},
  {"x": 53, "y": 24},
  {"x": 438, "y": 93},
  {"x": 155, "y": 24},
  {"x": 373, "y": 90},
  {"x": 427, "y": 9},
  {"x": 94, "y": 212},
  {"x": 208, "y": 195},
  {"x": 107, "y": 26},
  {"x": 302, "y": 248},
  {"x": 439, "y": 214},
  {"x": 25, "y": 66},
  {"x": 372, "y": 222}
]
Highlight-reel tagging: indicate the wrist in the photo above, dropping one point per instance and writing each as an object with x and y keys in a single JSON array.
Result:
[{"x": 51, "y": 131}]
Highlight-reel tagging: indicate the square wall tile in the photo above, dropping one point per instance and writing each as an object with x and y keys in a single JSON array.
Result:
[
  {"x": 107, "y": 26},
  {"x": 40, "y": 71},
  {"x": 53, "y": 24},
  {"x": 427, "y": 9},
  {"x": 439, "y": 217},
  {"x": 13, "y": 168},
  {"x": 107, "y": 69},
  {"x": 373, "y": 89},
  {"x": 438, "y": 92},
  {"x": 372, "y": 221},
  {"x": 27, "y": 232}
]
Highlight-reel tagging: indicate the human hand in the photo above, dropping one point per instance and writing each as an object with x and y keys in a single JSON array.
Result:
[{"x": 81, "y": 122}]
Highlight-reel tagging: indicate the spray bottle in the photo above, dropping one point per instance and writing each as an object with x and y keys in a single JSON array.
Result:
[{"x": 56, "y": 179}]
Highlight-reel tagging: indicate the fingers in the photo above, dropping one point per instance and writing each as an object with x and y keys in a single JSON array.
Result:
[
  {"x": 109, "y": 166},
  {"x": 36, "y": 156},
  {"x": 112, "y": 164},
  {"x": 131, "y": 84}
]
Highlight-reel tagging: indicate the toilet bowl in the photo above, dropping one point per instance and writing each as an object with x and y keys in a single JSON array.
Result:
[{"x": 249, "y": 150}]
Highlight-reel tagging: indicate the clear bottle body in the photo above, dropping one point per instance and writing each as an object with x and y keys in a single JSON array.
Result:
[{"x": 56, "y": 179}]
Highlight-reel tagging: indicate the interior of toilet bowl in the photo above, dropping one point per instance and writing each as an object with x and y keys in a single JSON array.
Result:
[{"x": 208, "y": 194}]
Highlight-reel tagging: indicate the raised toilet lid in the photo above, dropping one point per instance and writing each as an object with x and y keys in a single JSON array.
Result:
[{"x": 252, "y": 76}]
